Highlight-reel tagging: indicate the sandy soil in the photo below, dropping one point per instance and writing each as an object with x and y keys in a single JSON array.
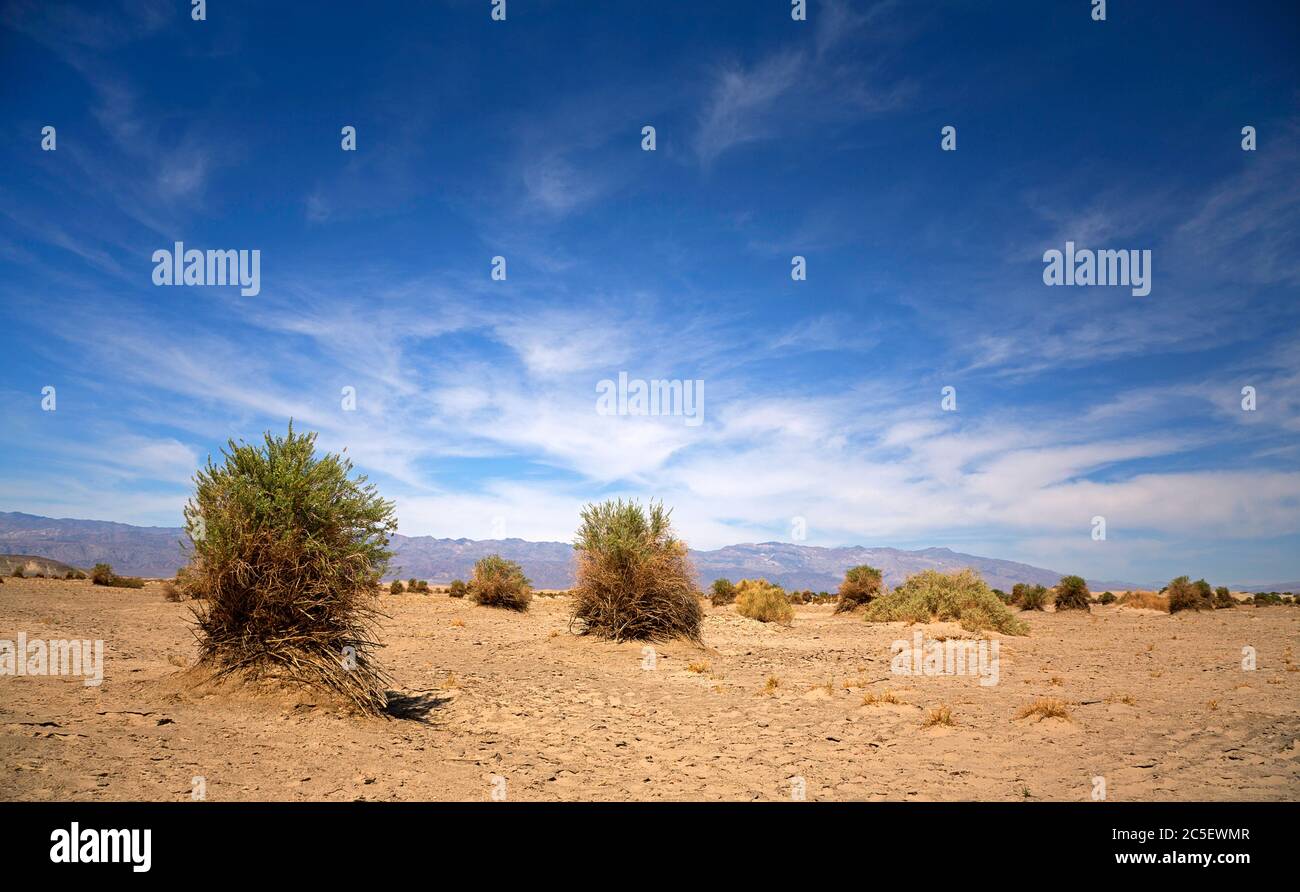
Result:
[{"x": 1160, "y": 707}]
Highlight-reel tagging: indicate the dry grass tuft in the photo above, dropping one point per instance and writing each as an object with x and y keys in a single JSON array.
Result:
[
  {"x": 940, "y": 715},
  {"x": 881, "y": 699},
  {"x": 1144, "y": 601},
  {"x": 1045, "y": 708}
]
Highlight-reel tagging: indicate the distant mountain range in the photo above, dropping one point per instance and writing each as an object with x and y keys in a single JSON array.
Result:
[{"x": 158, "y": 552}]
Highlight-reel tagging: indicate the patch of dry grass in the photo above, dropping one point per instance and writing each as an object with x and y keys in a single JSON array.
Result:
[
  {"x": 1045, "y": 708},
  {"x": 940, "y": 715}
]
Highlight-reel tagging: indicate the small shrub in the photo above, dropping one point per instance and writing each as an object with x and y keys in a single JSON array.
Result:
[
  {"x": 861, "y": 585},
  {"x": 1002, "y": 596},
  {"x": 1223, "y": 598},
  {"x": 457, "y": 588},
  {"x": 1072, "y": 593},
  {"x": 722, "y": 592},
  {"x": 396, "y": 587},
  {"x": 498, "y": 582},
  {"x": 103, "y": 575},
  {"x": 634, "y": 580},
  {"x": 1031, "y": 597},
  {"x": 18, "y": 572},
  {"x": 171, "y": 592},
  {"x": 420, "y": 586},
  {"x": 960, "y": 595},
  {"x": 1107, "y": 598},
  {"x": 761, "y": 600},
  {"x": 1184, "y": 594}
]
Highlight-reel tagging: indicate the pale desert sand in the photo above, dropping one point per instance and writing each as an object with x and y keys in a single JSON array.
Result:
[{"x": 1160, "y": 707}]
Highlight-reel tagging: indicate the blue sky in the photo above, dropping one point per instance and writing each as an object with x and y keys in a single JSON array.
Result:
[{"x": 475, "y": 399}]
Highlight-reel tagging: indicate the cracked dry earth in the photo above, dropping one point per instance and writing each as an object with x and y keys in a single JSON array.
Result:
[{"x": 1159, "y": 705}]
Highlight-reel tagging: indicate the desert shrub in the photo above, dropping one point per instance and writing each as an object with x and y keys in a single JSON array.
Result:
[
  {"x": 171, "y": 592},
  {"x": 498, "y": 582},
  {"x": 761, "y": 600},
  {"x": 959, "y": 595},
  {"x": 1184, "y": 594},
  {"x": 18, "y": 572},
  {"x": 1002, "y": 596},
  {"x": 634, "y": 579},
  {"x": 1206, "y": 591},
  {"x": 1107, "y": 598},
  {"x": 457, "y": 588},
  {"x": 722, "y": 592},
  {"x": 1072, "y": 593},
  {"x": 1032, "y": 597},
  {"x": 861, "y": 584},
  {"x": 289, "y": 549},
  {"x": 103, "y": 575},
  {"x": 1145, "y": 600},
  {"x": 395, "y": 587},
  {"x": 69, "y": 575},
  {"x": 1223, "y": 598}
]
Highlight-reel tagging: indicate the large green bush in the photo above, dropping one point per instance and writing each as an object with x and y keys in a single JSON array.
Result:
[
  {"x": 634, "y": 580},
  {"x": 960, "y": 595},
  {"x": 288, "y": 550}
]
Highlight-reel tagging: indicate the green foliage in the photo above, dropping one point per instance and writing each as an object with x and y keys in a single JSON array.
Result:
[
  {"x": 396, "y": 587},
  {"x": 722, "y": 592},
  {"x": 1107, "y": 598},
  {"x": 1030, "y": 597},
  {"x": 1187, "y": 595},
  {"x": 288, "y": 550},
  {"x": 761, "y": 600},
  {"x": 103, "y": 574},
  {"x": 1223, "y": 598},
  {"x": 498, "y": 582},
  {"x": 634, "y": 579},
  {"x": 960, "y": 595},
  {"x": 861, "y": 584},
  {"x": 1072, "y": 594},
  {"x": 457, "y": 589}
]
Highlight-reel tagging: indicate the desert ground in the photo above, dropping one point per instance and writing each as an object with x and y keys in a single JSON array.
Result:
[{"x": 499, "y": 704}]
